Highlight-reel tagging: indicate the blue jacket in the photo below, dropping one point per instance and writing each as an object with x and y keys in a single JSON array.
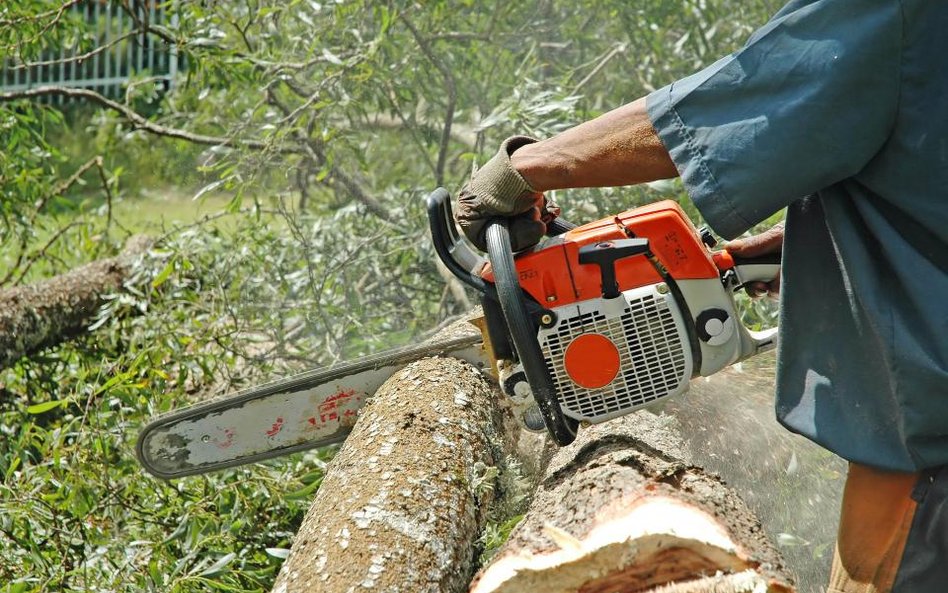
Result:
[{"x": 838, "y": 111}]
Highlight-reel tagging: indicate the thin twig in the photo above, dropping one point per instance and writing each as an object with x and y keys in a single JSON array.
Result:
[
  {"x": 618, "y": 49},
  {"x": 59, "y": 12},
  {"x": 36, "y": 255},
  {"x": 23, "y": 18},
  {"x": 413, "y": 130},
  {"x": 137, "y": 119},
  {"x": 337, "y": 177},
  {"x": 39, "y": 206},
  {"x": 450, "y": 89},
  {"x": 79, "y": 58},
  {"x": 211, "y": 217}
]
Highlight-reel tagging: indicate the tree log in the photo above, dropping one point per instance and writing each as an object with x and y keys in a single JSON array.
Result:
[
  {"x": 40, "y": 315},
  {"x": 791, "y": 484},
  {"x": 621, "y": 509},
  {"x": 408, "y": 493}
]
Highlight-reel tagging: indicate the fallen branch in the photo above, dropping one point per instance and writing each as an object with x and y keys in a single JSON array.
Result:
[{"x": 36, "y": 316}]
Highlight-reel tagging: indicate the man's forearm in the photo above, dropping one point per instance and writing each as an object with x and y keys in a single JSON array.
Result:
[{"x": 617, "y": 148}]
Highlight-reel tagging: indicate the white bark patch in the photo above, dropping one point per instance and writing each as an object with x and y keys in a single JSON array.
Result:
[
  {"x": 388, "y": 446},
  {"x": 365, "y": 516},
  {"x": 442, "y": 440},
  {"x": 343, "y": 536},
  {"x": 375, "y": 569},
  {"x": 461, "y": 399},
  {"x": 320, "y": 562}
]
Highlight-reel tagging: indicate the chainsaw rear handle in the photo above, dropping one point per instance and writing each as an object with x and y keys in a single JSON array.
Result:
[{"x": 764, "y": 268}]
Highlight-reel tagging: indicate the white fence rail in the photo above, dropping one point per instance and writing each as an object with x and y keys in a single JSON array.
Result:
[{"x": 99, "y": 45}]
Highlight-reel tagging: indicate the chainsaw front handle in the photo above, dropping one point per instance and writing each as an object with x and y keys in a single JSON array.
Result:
[
  {"x": 455, "y": 251},
  {"x": 464, "y": 262},
  {"x": 523, "y": 333}
]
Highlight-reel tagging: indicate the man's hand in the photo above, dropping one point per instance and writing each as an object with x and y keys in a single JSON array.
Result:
[
  {"x": 498, "y": 190},
  {"x": 770, "y": 241}
]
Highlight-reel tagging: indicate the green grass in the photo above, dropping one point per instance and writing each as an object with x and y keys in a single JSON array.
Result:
[{"x": 164, "y": 208}]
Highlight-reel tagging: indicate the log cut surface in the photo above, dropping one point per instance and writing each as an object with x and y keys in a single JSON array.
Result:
[
  {"x": 401, "y": 502},
  {"x": 622, "y": 510}
]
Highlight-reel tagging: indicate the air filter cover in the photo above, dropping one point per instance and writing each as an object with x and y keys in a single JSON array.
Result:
[{"x": 610, "y": 356}]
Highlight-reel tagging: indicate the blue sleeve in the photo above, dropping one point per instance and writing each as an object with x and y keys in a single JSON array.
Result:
[{"x": 806, "y": 103}]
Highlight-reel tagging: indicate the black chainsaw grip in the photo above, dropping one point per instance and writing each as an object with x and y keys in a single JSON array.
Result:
[{"x": 523, "y": 333}]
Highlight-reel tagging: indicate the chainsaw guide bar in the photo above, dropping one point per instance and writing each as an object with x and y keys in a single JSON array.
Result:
[{"x": 309, "y": 410}]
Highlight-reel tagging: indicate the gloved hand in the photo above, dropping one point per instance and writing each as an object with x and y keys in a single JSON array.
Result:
[
  {"x": 770, "y": 241},
  {"x": 498, "y": 190}
]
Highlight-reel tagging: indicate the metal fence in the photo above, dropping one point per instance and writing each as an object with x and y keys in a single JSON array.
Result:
[{"x": 99, "y": 45}]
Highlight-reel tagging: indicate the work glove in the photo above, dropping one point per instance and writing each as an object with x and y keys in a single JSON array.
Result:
[
  {"x": 498, "y": 190},
  {"x": 770, "y": 241}
]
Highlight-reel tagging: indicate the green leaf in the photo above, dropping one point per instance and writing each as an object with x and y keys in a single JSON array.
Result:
[
  {"x": 112, "y": 382},
  {"x": 220, "y": 566},
  {"x": 164, "y": 274},
  {"x": 305, "y": 491},
  {"x": 280, "y": 553},
  {"x": 45, "y": 406}
]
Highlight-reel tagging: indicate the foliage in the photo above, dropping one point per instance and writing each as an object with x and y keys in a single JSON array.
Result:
[
  {"x": 323, "y": 124},
  {"x": 494, "y": 536}
]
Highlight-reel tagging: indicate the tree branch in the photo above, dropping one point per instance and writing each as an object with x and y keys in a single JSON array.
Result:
[
  {"x": 314, "y": 152},
  {"x": 137, "y": 119},
  {"x": 59, "y": 12},
  {"x": 79, "y": 58},
  {"x": 451, "y": 90}
]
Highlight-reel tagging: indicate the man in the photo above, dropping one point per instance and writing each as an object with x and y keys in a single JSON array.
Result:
[{"x": 836, "y": 111}]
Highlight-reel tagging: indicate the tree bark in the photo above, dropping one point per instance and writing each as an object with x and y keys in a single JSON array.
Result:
[
  {"x": 40, "y": 315},
  {"x": 621, "y": 509},
  {"x": 409, "y": 492}
]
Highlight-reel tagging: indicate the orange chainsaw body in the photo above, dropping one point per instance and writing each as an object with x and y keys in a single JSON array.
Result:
[{"x": 553, "y": 276}]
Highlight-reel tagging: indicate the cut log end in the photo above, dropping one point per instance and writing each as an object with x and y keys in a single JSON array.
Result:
[
  {"x": 622, "y": 511},
  {"x": 653, "y": 542}
]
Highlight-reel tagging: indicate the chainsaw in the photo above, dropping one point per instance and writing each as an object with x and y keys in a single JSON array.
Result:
[{"x": 594, "y": 322}]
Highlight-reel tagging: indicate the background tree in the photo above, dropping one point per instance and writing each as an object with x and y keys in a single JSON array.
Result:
[{"x": 310, "y": 131}]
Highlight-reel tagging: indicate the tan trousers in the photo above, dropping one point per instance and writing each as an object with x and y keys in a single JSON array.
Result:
[{"x": 876, "y": 516}]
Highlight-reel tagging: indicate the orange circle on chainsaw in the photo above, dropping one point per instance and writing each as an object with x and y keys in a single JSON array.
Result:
[{"x": 591, "y": 361}]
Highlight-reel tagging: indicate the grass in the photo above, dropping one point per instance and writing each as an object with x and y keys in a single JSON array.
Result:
[{"x": 164, "y": 208}]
